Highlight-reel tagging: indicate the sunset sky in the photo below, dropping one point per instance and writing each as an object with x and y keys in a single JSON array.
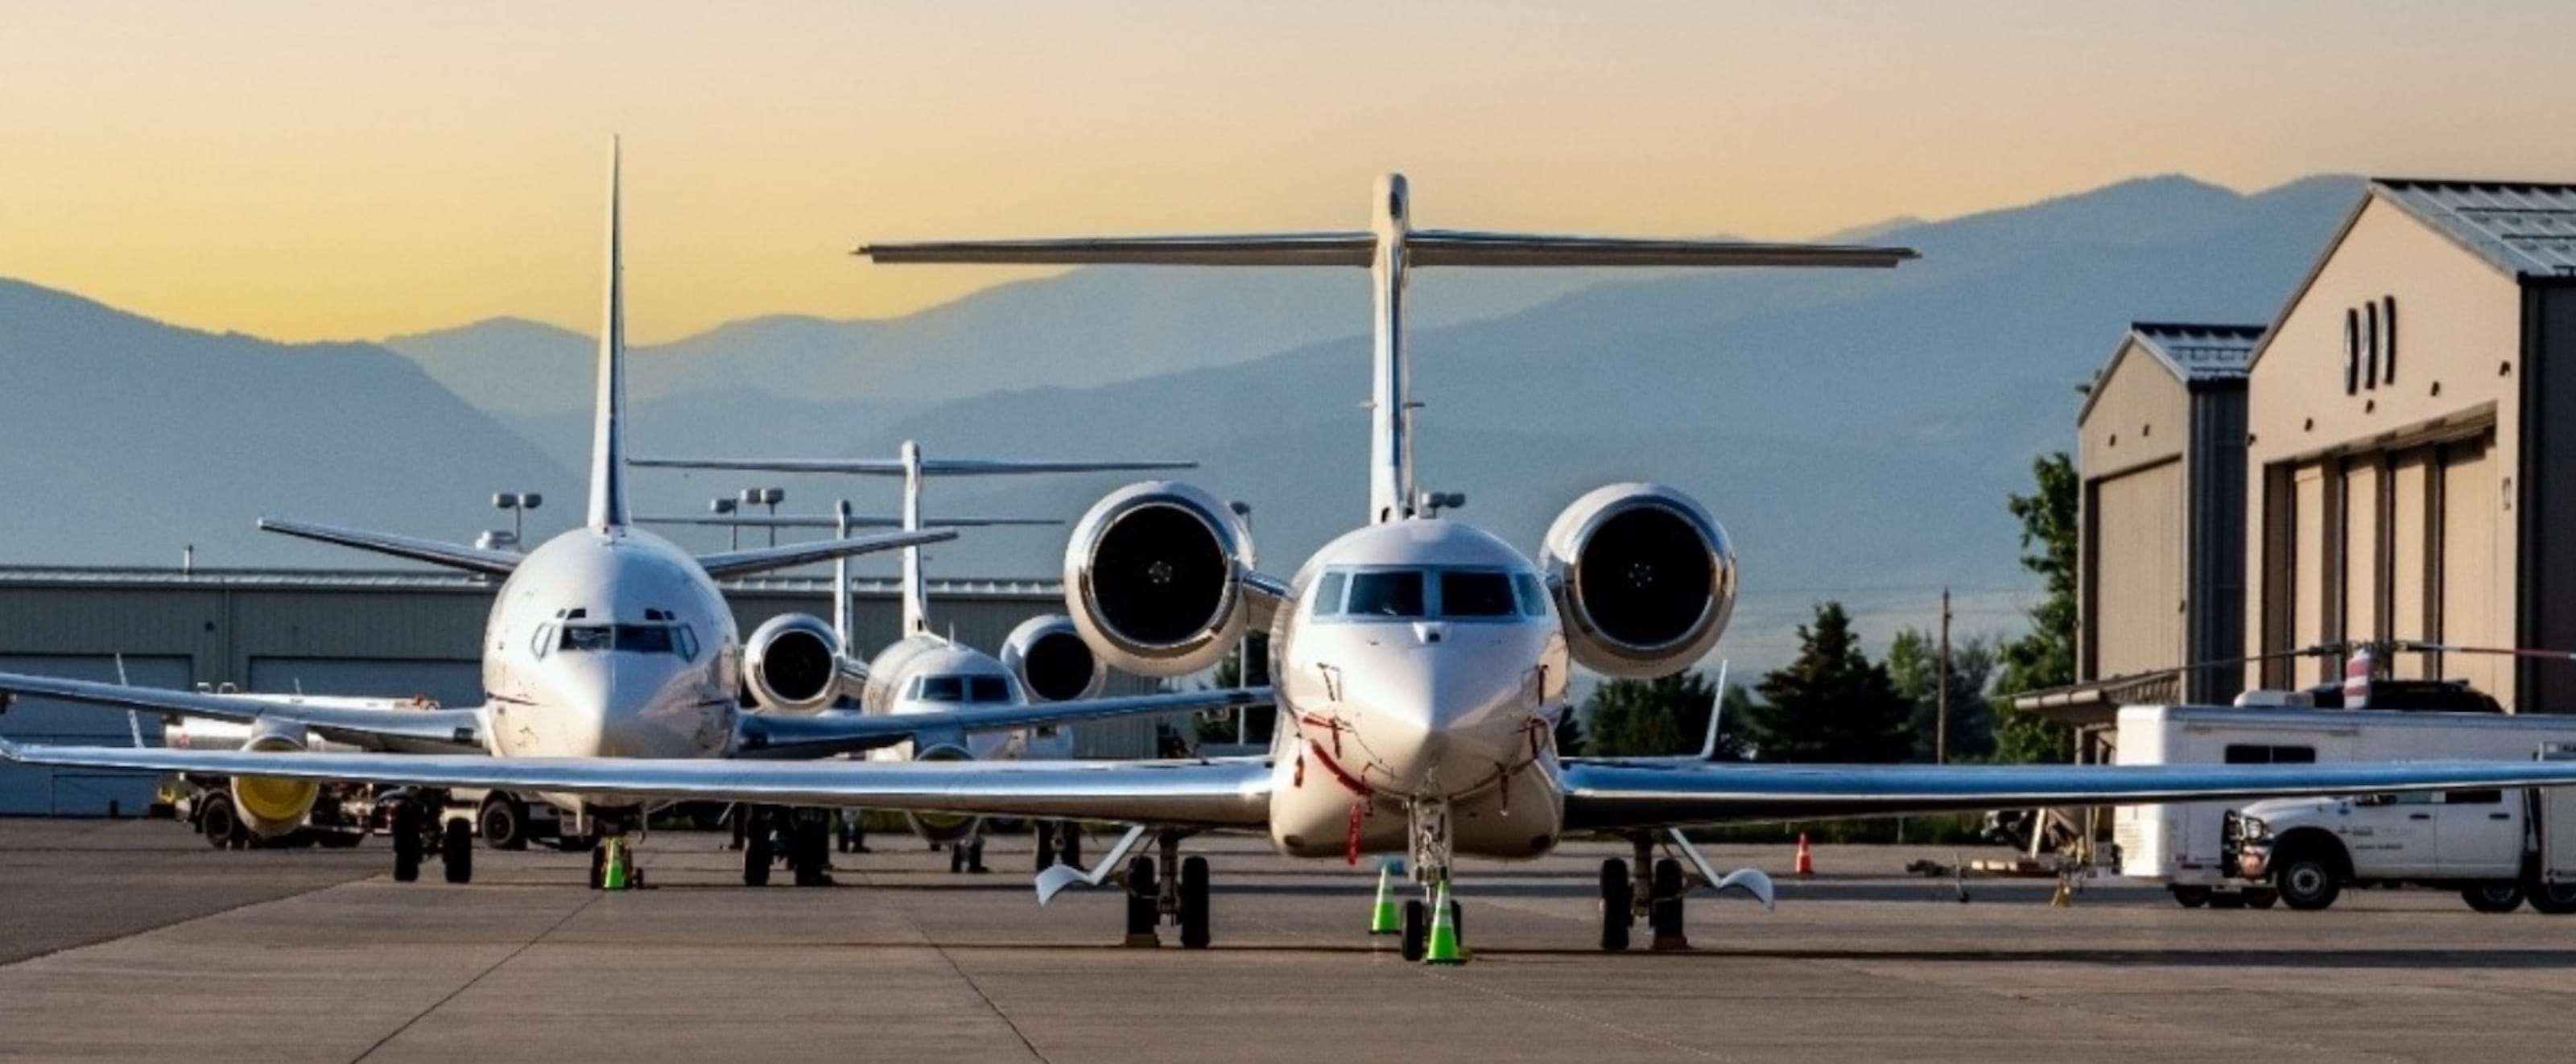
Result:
[{"x": 321, "y": 169}]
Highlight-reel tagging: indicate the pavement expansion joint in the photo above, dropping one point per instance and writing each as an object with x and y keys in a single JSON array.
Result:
[{"x": 586, "y": 902}]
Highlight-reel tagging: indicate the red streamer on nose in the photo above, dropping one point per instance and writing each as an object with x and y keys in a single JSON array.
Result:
[{"x": 1351, "y": 850}]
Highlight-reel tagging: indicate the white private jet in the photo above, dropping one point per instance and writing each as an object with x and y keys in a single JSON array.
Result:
[
  {"x": 608, "y": 641},
  {"x": 1422, "y": 662}
]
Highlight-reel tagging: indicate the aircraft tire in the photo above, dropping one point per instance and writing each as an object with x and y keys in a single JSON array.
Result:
[
  {"x": 1068, "y": 845},
  {"x": 1618, "y": 905},
  {"x": 1044, "y": 832},
  {"x": 1194, "y": 903},
  {"x": 1144, "y": 901},
  {"x": 407, "y": 842},
  {"x": 1417, "y": 929},
  {"x": 456, "y": 851}
]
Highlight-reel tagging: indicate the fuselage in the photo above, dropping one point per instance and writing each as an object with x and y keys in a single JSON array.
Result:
[
  {"x": 926, "y": 675},
  {"x": 1417, "y": 661},
  {"x": 610, "y": 643}
]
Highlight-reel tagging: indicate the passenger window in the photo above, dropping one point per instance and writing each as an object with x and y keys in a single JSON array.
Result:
[
  {"x": 2472, "y": 797},
  {"x": 1468, "y": 593},
  {"x": 1395, "y": 593},
  {"x": 988, "y": 689},
  {"x": 1328, "y": 594},
  {"x": 1533, "y": 595}
]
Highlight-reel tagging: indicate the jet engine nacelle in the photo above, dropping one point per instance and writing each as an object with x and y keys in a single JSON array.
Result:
[
  {"x": 1053, "y": 662},
  {"x": 1644, "y": 577},
  {"x": 793, "y": 664},
  {"x": 1154, "y": 578},
  {"x": 943, "y": 827},
  {"x": 269, "y": 807}
]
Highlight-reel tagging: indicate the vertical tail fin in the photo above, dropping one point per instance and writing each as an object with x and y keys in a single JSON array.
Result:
[
  {"x": 1391, "y": 494},
  {"x": 608, "y": 430},
  {"x": 916, "y": 593}
]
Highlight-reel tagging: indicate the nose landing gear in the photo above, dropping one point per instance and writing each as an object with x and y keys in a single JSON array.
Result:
[
  {"x": 1433, "y": 852},
  {"x": 1168, "y": 886}
]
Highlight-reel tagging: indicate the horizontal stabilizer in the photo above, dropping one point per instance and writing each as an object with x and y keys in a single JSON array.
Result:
[
  {"x": 1440, "y": 247},
  {"x": 894, "y": 467},
  {"x": 764, "y": 521},
  {"x": 451, "y": 555},
  {"x": 744, "y": 562},
  {"x": 1280, "y": 249}
]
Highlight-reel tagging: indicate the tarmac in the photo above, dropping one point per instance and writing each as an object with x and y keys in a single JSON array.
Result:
[{"x": 134, "y": 941}]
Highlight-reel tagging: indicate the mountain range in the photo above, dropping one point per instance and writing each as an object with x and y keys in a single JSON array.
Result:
[{"x": 1857, "y": 431}]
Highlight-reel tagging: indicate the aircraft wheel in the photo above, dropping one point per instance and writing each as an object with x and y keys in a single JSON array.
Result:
[
  {"x": 809, "y": 851},
  {"x": 215, "y": 817},
  {"x": 456, "y": 851},
  {"x": 1068, "y": 845},
  {"x": 756, "y": 857},
  {"x": 1417, "y": 928},
  {"x": 407, "y": 842},
  {"x": 505, "y": 822},
  {"x": 1665, "y": 914},
  {"x": 2493, "y": 897},
  {"x": 1618, "y": 904},
  {"x": 1144, "y": 902},
  {"x": 1194, "y": 903}
]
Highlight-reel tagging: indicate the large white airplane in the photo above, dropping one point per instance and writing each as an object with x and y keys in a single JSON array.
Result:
[
  {"x": 608, "y": 641},
  {"x": 1421, "y": 662}
]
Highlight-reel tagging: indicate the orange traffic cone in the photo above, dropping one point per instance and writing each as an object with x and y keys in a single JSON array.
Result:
[{"x": 1806, "y": 858}]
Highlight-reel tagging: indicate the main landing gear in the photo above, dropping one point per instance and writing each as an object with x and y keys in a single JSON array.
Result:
[
  {"x": 802, "y": 836},
  {"x": 967, "y": 855},
  {"x": 1651, "y": 888},
  {"x": 1166, "y": 885},
  {"x": 1059, "y": 842},
  {"x": 412, "y": 822}
]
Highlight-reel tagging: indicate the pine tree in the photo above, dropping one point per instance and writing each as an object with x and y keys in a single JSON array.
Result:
[
  {"x": 1650, "y": 718},
  {"x": 1831, "y": 704},
  {"x": 2046, "y": 656}
]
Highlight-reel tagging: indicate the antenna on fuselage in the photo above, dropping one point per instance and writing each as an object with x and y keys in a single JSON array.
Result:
[
  {"x": 1390, "y": 248},
  {"x": 607, "y": 436}
]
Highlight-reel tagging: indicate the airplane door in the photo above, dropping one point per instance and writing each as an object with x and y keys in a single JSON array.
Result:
[{"x": 2479, "y": 833}]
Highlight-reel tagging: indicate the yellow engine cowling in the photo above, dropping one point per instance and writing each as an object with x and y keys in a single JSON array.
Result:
[{"x": 271, "y": 807}]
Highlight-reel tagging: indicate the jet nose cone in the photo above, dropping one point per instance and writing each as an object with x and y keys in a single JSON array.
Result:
[{"x": 1430, "y": 725}]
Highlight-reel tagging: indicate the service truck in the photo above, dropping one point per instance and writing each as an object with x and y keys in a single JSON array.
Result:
[{"x": 2491, "y": 846}]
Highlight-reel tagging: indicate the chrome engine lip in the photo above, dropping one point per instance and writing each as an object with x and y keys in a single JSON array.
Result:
[
  {"x": 1120, "y": 650},
  {"x": 756, "y": 652},
  {"x": 1574, "y": 528}
]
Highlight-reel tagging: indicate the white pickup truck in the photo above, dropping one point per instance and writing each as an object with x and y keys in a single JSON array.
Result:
[{"x": 2497, "y": 848}]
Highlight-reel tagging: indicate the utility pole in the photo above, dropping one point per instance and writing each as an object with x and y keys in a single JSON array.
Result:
[{"x": 1941, "y": 710}]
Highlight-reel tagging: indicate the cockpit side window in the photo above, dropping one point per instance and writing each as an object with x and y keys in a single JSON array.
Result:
[
  {"x": 687, "y": 638},
  {"x": 1533, "y": 594},
  {"x": 1386, "y": 593},
  {"x": 1327, "y": 595},
  {"x": 1476, "y": 593}
]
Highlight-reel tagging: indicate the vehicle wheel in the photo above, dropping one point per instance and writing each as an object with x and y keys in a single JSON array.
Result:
[
  {"x": 407, "y": 842},
  {"x": 756, "y": 857},
  {"x": 2262, "y": 897},
  {"x": 215, "y": 818},
  {"x": 1194, "y": 903},
  {"x": 2226, "y": 900},
  {"x": 457, "y": 851},
  {"x": 505, "y": 822},
  {"x": 2190, "y": 897},
  {"x": 1144, "y": 902},
  {"x": 1068, "y": 843},
  {"x": 2493, "y": 897},
  {"x": 1417, "y": 929},
  {"x": 1044, "y": 832},
  {"x": 2555, "y": 899},
  {"x": 2307, "y": 881},
  {"x": 1618, "y": 905}
]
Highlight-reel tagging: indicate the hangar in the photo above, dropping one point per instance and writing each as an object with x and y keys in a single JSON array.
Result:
[{"x": 390, "y": 633}]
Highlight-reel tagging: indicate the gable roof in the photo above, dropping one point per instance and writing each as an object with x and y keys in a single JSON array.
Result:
[
  {"x": 2525, "y": 229},
  {"x": 2196, "y": 354}
]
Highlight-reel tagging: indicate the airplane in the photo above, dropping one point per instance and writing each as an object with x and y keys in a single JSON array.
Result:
[
  {"x": 606, "y": 641},
  {"x": 1421, "y": 663},
  {"x": 925, "y": 674}
]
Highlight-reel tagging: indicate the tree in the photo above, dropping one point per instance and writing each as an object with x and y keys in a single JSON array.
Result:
[
  {"x": 1257, "y": 723},
  {"x": 2046, "y": 656},
  {"x": 1649, "y": 718},
  {"x": 1914, "y": 669},
  {"x": 1832, "y": 703}
]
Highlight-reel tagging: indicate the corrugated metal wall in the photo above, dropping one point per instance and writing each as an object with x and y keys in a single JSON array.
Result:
[{"x": 2138, "y": 537}]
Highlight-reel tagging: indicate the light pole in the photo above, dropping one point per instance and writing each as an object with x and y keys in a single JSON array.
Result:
[
  {"x": 724, "y": 508},
  {"x": 769, "y": 497},
  {"x": 518, "y": 503}
]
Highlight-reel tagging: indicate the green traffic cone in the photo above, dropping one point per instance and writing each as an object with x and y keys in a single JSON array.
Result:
[
  {"x": 1444, "y": 931},
  {"x": 615, "y": 876},
  {"x": 1385, "y": 920}
]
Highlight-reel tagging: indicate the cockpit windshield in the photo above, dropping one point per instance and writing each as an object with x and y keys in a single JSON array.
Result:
[
  {"x": 671, "y": 639},
  {"x": 962, "y": 689},
  {"x": 1409, "y": 594}
]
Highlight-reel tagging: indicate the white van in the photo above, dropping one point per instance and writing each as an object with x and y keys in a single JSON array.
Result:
[{"x": 2187, "y": 846}]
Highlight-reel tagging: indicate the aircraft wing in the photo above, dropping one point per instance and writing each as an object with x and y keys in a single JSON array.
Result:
[
  {"x": 762, "y": 736},
  {"x": 739, "y": 562},
  {"x": 1184, "y": 794},
  {"x": 388, "y": 726},
  {"x": 890, "y": 467},
  {"x": 1634, "y": 796},
  {"x": 451, "y": 555}
]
